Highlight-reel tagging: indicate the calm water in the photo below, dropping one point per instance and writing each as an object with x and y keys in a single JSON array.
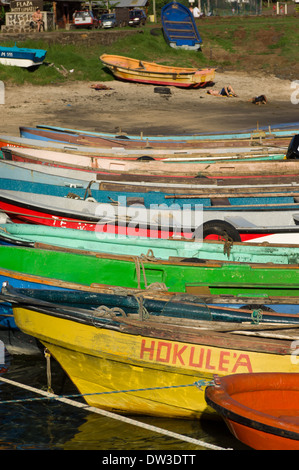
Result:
[{"x": 50, "y": 425}]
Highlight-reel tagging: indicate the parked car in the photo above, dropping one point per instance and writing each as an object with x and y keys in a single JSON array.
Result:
[
  {"x": 108, "y": 20},
  {"x": 86, "y": 19},
  {"x": 137, "y": 17}
]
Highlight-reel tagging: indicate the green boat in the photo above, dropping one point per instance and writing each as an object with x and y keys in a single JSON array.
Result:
[
  {"x": 177, "y": 275},
  {"x": 27, "y": 234}
]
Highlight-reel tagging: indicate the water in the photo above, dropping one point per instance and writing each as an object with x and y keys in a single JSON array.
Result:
[{"x": 51, "y": 425}]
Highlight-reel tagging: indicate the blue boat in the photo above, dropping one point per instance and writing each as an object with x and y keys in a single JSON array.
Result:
[
  {"x": 22, "y": 57},
  {"x": 26, "y": 132},
  {"x": 269, "y": 201},
  {"x": 179, "y": 27},
  {"x": 227, "y": 309}
]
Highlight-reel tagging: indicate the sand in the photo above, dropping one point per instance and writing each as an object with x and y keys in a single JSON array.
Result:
[{"x": 136, "y": 108}]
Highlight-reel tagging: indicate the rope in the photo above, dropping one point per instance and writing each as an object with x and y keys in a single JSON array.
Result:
[
  {"x": 114, "y": 415},
  {"x": 49, "y": 376},
  {"x": 88, "y": 190},
  {"x": 256, "y": 316},
  {"x": 142, "y": 311},
  {"x": 107, "y": 312},
  {"x": 228, "y": 243},
  {"x": 138, "y": 260}
]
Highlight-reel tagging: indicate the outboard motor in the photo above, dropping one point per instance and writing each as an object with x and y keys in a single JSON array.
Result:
[{"x": 293, "y": 149}]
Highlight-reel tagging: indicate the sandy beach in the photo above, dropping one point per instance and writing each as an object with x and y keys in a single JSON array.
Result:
[{"x": 139, "y": 108}]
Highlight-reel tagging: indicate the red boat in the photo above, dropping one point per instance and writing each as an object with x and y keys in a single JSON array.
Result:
[
  {"x": 260, "y": 409},
  {"x": 68, "y": 212},
  {"x": 55, "y": 211}
]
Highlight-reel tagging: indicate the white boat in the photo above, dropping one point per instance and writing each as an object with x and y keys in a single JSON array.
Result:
[{"x": 21, "y": 57}]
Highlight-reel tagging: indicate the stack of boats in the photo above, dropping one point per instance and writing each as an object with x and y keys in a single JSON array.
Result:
[{"x": 146, "y": 265}]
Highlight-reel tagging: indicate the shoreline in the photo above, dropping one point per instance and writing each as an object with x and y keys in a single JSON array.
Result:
[{"x": 136, "y": 108}]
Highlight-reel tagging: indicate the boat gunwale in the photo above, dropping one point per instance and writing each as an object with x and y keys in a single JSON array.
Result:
[
  {"x": 140, "y": 327},
  {"x": 172, "y": 261}
]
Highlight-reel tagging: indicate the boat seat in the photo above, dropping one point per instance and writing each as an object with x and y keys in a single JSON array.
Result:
[
  {"x": 135, "y": 200},
  {"x": 178, "y": 22},
  {"x": 175, "y": 36},
  {"x": 220, "y": 201},
  {"x": 290, "y": 419},
  {"x": 238, "y": 222}
]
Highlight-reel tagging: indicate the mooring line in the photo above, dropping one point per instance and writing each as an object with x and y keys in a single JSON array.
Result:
[{"x": 111, "y": 415}]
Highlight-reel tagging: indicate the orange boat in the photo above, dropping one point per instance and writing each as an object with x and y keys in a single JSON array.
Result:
[
  {"x": 133, "y": 70},
  {"x": 260, "y": 409}
]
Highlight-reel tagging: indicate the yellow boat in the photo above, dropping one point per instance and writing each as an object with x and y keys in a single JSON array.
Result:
[
  {"x": 148, "y": 364},
  {"x": 133, "y": 70}
]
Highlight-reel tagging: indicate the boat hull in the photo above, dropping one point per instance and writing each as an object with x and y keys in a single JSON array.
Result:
[
  {"x": 179, "y": 27},
  {"x": 26, "y": 234},
  {"x": 22, "y": 57},
  {"x": 259, "y": 133},
  {"x": 261, "y": 410},
  {"x": 25, "y": 63},
  {"x": 195, "y": 277},
  {"x": 125, "y": 68},
  {"x": 159, "y": 221},
  {"x": 140, "y": 373}
]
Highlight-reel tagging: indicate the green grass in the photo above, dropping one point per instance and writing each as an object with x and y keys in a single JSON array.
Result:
[{"x": 235, "y": 35}]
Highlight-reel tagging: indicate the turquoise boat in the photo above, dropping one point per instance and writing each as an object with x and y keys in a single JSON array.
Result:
[
  {"x": 146, "y": 247},
  {"x": 92, "y": 139},
  {"x": 22, "y": 56},
  {"x": 278, "y": 131}
]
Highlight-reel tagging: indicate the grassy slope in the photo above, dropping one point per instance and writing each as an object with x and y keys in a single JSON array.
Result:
[{"x": 240, "y": 43}]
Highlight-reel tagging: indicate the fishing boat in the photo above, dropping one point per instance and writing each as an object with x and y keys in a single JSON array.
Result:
[
  {"x": 273, "y": 165},
  {"x": 76, "y": 178},
  {"x": 252, "y": 148},
  {"x": 84, "y": 241},
  {"x": 96, "y": 162},
  {"x": 21, "y": 56},
  {"x": 155, "y": 300},
  {"x": 270, "y": 142},
  {"x": 210, "y": 200},
  {"x": 151, "y": 365},
  {"x": 179, "y": 27},
  {"x": 193, "y": 276},
  {"x": 23, "y": 142},
  {"x": 140, "y": 71},
  {"x": 122, "y": 152},
  {"x": 254, "y": 134},
  {"x": 130, "y": 217},
  {"x": 87, "y": 214},
  {"x": 159, "y": 303},
  {"x": 260, "y": 409}
]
